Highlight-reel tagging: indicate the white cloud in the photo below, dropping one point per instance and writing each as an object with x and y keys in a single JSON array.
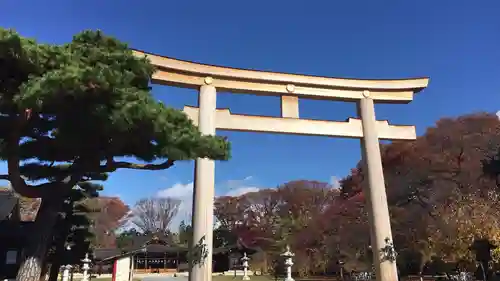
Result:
[
  {"x": 184, "y": 193},
  {"x": 335, "y": 182},
  {"x": 178, "y": 190},
  {"x": 498, "y": 114}
]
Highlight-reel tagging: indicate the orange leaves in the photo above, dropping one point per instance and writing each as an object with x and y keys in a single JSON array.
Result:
[
  {"x": 469, "y": 218},
  {"x": 440, "y": 177},
  {"x": 108, "y": 219}
]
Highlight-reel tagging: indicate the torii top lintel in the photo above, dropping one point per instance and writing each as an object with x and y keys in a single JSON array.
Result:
[{"x": 180, "y": 73}]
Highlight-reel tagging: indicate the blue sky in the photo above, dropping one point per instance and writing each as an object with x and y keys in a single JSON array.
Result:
[{"x": 455, "y": 43}]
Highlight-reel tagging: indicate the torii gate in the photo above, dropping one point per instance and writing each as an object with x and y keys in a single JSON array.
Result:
[{"x": 209, "y": 78}]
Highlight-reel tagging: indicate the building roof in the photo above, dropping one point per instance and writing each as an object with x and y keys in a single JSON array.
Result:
[
  {"x": 155, "y": 243},
  {"x": 239, "y": 246},
  {"x": 152, "y": 243},
  {"x": 24, "y": 209},
  {"x": 159, "y": 248},
  {"x": 153, "y": 238},
  {"x": 104, "y": 253},
  {"x": 7, "y": 203}
]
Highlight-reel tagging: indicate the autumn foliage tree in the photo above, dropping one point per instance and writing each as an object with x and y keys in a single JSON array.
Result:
[
  {"x": 439, "y": 176},
  {"x": 272, "y": 218},
  {"x": 107, "y": 218},
  {"x": 71, "y": 113},
  {"x": 442, "y": 197}
]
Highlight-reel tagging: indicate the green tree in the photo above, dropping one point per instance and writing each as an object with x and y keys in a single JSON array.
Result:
[
  {"x": 73, "y": 229},
  {"x": 185, "y": 233},
  {"x": 126, "y": 238},
  {"x": 224, "y": 237},
  {"x": 75, "y": 112}
]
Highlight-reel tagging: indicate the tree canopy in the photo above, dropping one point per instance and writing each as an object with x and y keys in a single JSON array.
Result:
[
  {"x": 79, "y": 110},
  {"x": 73, "y": 113}
]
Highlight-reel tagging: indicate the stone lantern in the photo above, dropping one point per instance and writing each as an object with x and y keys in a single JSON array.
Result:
[
  {"x": 288, "y": 255},
  {"x": 244, "y": 261},
  {"x": 86, "y": 266}
]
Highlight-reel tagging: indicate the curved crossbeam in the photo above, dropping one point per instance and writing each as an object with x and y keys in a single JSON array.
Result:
[
  {"x": 352, "y": 128},
  {"x": 187, "y": 74}
]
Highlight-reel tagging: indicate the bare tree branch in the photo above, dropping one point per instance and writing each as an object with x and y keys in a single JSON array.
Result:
[{"x": 154, "y": 214}]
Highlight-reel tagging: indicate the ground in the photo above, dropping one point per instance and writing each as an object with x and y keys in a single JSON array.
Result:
[
  {"x": 214, "y": 278},
  {"x": 232, "y": 278}
]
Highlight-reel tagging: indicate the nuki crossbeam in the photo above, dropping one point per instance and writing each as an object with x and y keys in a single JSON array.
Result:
[{"x": 352, "y": 128}]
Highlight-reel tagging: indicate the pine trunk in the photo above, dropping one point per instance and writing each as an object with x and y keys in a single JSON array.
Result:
[
  {"x": 58, "y": 255},
  {"x": 45, "y": 270},
  {"x": 38, "y": 241},
  {"x": 266, "y": 265},
  {"x": 54, "y": 271}
]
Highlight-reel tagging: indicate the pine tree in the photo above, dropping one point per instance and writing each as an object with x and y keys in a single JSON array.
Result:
[{"x": 76, "y": 112}]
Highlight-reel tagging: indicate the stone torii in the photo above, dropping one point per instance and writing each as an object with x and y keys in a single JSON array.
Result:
[{"x": 208, "y": 79}]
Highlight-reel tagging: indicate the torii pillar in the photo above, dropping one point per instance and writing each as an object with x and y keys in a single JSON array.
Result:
[
  {"x": 374, "y": 190},
  {"x": 204, "y": 191}
]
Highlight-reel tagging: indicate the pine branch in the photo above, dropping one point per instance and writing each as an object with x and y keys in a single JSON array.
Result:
[
  {"x": 13, "y": 160},
  {"x": 112, "y": 166}
]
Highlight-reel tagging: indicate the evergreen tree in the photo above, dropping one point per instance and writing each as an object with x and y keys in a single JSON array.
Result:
[
  {"x": 185, "y": 233},
  {"x": 125, "y": 240},
  {"x": 75, "y": 112},
  {"x": 224, "y": 237},
  {"x": 73, "y": 229}
]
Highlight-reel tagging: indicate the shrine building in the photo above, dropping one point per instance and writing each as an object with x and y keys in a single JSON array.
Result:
[
  {"x": 13, "y": 231},
  {"x": 153, "y": 254}
]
